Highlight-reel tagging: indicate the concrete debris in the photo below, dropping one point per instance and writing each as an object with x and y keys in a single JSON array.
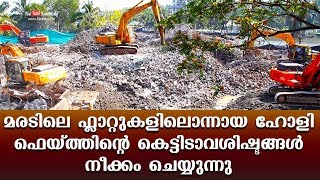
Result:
[
  {"x": 84, "y": 42},
  {"x": 39, "y": 49},
  {"x": 13, "y": 103},
  {"x": 149, "y": 79},
  {"x": 7, "y": 104},
  {"x": 37, "y": 104}
]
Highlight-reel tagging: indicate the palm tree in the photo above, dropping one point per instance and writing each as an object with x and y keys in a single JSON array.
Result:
[
  {"x": 20, "y": 9},
  {"x": 4, "y": 17},
  {"x": 4, "y": 6},
  {"x": 89, "y": 16}
]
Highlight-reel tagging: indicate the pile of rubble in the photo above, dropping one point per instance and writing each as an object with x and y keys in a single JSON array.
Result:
[
  {"x": 39, "y": 48},
  {"x": 84, "y": 42},
  {"x": 8, "y": 103},
  {"x": 149, "y": 79}
]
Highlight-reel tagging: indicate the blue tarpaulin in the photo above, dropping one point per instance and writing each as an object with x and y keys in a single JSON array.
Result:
[{"x": 55, "y": 37}]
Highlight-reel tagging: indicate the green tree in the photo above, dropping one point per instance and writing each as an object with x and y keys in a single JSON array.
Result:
[
  {"x": 113, "y": 17},
  {"x": 4, "y": 17},
  {"x": 147, "y": 18},
  {"x": 250, "y": 15},
  {"x": 65, "y": 11},
  {"x": 89, "y": 16},
  {"x": 19, "y": 11},
  {"x": 36, "y": 6}
]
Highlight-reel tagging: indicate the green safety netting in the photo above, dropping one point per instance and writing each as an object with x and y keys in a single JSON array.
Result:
[{"x": 55, "y": 37}]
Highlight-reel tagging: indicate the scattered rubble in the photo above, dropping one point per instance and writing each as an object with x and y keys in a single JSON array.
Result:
[
  {"x": 260, "y": 100},
  {"x": 149, "y": 79},
  {"x": 39, "y": 48},
  {"x": 7, "y": 104},
  {"x": 84, "y": 41}
]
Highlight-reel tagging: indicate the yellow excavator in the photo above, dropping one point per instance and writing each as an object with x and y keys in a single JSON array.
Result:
[
  {"x": 19, "y": 70},
  {"x": 297, "y": 52},
  {"x": 123, "y": 41},
  {"x": 20, "y": 74}
]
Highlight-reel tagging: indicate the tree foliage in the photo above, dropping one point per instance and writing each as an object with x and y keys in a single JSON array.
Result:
[
  {"x": 251, "y": 15},
  {"x": 65, "y": 10},
  {"x": 147, "y": 19},
  {"x": 195, "y": 48},
  {"x": 113, "y": 17},
  {"x": 4, "y": 17},
  {"x": 89, "y": 16},
  {"x": 19, "y": 11},
  {"x": 36, "y": 6}
]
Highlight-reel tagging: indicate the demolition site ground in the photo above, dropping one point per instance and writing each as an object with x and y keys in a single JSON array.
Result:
[{"x": 149, "y": 79}]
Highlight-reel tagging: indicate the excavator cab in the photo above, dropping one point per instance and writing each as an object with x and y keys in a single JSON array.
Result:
[
  {"x": 297, "y": 86},
  {"x": 300, "y": 54},
  {"x": 15, "y": 68},
  {"x": 110, "y": 38},
  {"x": 24, "y": 38}
]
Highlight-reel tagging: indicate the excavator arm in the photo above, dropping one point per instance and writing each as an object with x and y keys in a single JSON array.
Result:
[
  {"x": 24, "y": 36},
  {"x": 287, "y": 37},
  {"x": 122, "y": 30},
  {"x": 12, "y": 50},
  {"x": 9, "y": 27}
]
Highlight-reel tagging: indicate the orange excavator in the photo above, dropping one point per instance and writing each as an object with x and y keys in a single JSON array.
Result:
[
  {"x": 301, "y": 87},
  {"x": 296, "y": 83},
  {"x": 296, "y": 52},
  {"x": 20, "y": 70},
  {"x": 123, "y": 41},
  {"x": 24, "y": 36}
]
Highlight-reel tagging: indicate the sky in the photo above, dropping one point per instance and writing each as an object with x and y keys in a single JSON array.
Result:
[{"x": 107, "y": 4}]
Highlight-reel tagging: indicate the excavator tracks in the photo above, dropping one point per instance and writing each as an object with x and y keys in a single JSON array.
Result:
[
  {"x": 274, "y": 89},
  {"x": 298, "y": 97},
  {"x": 119, "y": 50},
  {"x": 286, "y": 95}
]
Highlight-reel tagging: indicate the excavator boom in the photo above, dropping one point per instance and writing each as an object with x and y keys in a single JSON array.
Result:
[
  {"x": 296, "y": 53},
  {"x": 11, "y": 50},
  {"x": 287, "y": 37},
  {"x": 24, "y": 36},
  {"x": 9, "y": 27},
  {"x": 122, "y": 41},
  {"x": 121, "y": 33}
]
